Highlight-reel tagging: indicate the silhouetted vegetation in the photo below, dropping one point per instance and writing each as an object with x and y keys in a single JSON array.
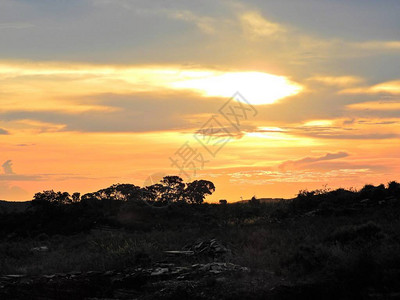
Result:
[{"x": 330, "y": 243}]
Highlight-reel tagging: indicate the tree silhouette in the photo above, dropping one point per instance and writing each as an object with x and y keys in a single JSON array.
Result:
[
  {"x": 197, "y": 190},
  {"x": 76, "y": 197},
  {"x": 394, "y": 188},
  {"x": 153, "y": 193},
  {"x": 172, "y": 189},
  {"x": 169, "y": 189},
  {"x": 53, "y": 197}
]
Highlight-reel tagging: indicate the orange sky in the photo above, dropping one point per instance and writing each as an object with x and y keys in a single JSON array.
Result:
[{"x": 89, "y": 100}]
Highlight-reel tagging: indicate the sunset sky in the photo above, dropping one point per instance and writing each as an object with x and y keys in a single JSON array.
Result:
[{"x": 97, "y": 92}]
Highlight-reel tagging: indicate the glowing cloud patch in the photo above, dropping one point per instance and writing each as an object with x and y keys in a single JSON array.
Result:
[
  {"x": 390, "y": 87},
  {"x": 255, "y": 26},
  {"x": 319, "y": 123},
  {"x": 375, "y": 105},
  {"x": 257, "y": 87}
]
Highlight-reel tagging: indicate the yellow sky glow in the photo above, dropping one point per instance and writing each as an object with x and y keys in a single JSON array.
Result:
[
  {"x": 257, "y": 87},
  {"x": 133, "y": 82}
]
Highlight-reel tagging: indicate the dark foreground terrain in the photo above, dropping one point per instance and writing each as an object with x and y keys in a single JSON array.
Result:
[{"x": 321, "y": 245}]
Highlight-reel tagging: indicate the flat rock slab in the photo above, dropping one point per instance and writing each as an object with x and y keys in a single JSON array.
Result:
[{"x": 139, "y": 283}]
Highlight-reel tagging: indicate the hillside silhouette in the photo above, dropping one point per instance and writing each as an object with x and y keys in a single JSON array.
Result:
[{"x": 164, "y": 241}]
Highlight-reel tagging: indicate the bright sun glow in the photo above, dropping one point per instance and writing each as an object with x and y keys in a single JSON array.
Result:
[
  {"x": 258, "y": 88},
  {"x": 319, "y": 123}
]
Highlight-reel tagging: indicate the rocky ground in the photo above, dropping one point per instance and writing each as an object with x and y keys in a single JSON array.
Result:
[
  {"x": 173, "y": 279},
  {"x": 169, "y": 279},
  {"x": 158, "y": 281},
  {"x": 216, "y": 280}
]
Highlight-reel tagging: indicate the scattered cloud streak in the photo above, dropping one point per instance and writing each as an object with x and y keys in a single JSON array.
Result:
[
  {"x": 3, "y": 131},
  {"x": 304, "y": 163},
  {"x": 7, "y": 167},
  {"x": 10, "y": 175},
  {"x": 390, "y": 87},
  {"x": 257, "y": 27}
]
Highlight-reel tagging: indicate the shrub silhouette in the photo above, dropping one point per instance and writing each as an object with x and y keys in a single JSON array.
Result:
[
  {"x": 394, "y": 188},
  {"x": 364, "y": 232}
]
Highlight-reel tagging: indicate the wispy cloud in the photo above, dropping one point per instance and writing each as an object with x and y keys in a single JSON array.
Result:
[
  {"x": 389, "y": 87},
  {"x": 256, "y": 26},
  {"x": 355, "y": 128},
  {"x": 3, "y": 131},
  {"x": 206, "y": 25},
  {"x": 375, "y": 105},
  {"x": 379, "y": 45},
  {"x": 307, "y": 161},
  {"x": 10, "y": 175},
  {"x": 300, "y": 176},
  {"x": 340, "y": 81}
]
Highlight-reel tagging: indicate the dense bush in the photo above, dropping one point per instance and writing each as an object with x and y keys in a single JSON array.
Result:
[{"x": 363, "y": 233}]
